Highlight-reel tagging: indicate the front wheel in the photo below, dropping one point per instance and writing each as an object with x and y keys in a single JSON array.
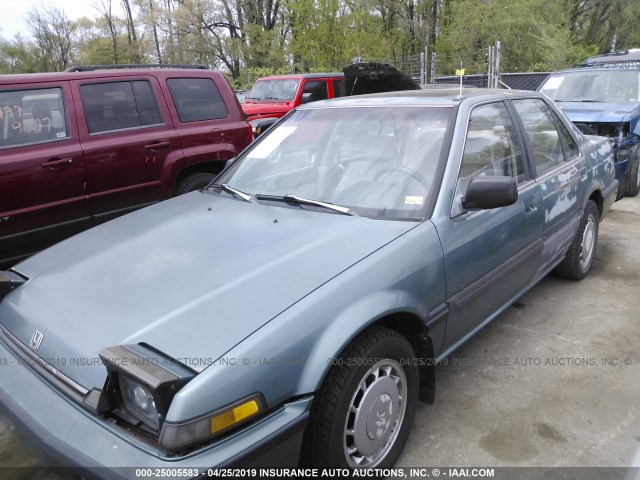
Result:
[
  {"x": 365, "y": 408},
  {"x": 577, "y": 262},
  {"x": 194, "y": 181}
]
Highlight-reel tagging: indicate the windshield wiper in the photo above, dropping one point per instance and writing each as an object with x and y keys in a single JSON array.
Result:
[
  {"x": 305, "y": 201},
  {"x": 223, "y": 186}
]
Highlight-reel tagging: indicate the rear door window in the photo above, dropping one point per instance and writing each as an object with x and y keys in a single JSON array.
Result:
[
  {"x": 29, "y": 117},
  {"x": 116, "y": 106},
  {"x": 551, "y": 143},
  {"x": 197, "y": 99},
  {"x": 338, "y": 88}
]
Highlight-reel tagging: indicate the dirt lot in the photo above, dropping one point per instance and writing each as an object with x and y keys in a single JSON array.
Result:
[{"x": 555, "y": 381}]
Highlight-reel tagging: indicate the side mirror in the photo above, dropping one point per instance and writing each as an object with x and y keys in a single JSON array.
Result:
[{"x": 486, "y": 192}]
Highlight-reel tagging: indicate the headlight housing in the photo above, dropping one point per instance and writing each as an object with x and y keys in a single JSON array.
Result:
[{"x": 140, "y": 386}]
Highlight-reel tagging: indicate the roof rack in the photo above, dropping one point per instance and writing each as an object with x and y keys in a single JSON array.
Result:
[{"x": 90, "y": 68}]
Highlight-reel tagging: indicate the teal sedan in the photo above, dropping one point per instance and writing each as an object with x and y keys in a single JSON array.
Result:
[{"x": 293, "y": 311}]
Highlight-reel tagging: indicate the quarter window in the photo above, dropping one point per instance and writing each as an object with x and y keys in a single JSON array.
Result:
[
  {"x": 551, "y": 143},
  {"x": 197, "y": 99},
  {"x": 29, "y": 117},
  {"x": 119, "y": 105}
]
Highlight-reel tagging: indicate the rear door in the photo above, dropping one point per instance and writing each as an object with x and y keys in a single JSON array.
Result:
[
  {"x": 210, "y": 131},
  {"x": 42, "y": 173},
  {"x": 558, "y": 171},
  {"x": 127, "y": 136}
]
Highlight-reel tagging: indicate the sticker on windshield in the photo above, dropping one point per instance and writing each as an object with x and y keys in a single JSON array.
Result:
[
  {"x": 271, "y": 142},
  {"x": 553, "y": 83},
  {"x": 413, "y": 200}
]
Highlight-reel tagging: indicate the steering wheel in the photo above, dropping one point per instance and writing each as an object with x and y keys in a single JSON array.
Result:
[{"x": 407, "y": 171}]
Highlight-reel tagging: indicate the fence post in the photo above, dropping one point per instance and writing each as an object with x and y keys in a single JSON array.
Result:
[
  {"x": 490, "y": 68},
  {"x": 497, "y": 72},
  {"x": 434, "y": 59},
  {"x": 423, "y": 67}
]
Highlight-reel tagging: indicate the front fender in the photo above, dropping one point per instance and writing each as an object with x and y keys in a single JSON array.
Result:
[
  {"x": 290, "y": 355},
  {"x": 349, "y": 324}
]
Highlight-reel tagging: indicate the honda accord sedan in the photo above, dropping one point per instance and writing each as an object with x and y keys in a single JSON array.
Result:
[{"x": 293, "y": 311}]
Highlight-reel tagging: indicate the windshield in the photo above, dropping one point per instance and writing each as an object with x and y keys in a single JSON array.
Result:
[
  {"x": 284, "y": 90},
  {"x": 379, "y": 162},
  {"x": 609, "y": 86}
]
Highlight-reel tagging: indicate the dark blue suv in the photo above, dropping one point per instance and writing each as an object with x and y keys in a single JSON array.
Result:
[{"x": 602, "y": 97}]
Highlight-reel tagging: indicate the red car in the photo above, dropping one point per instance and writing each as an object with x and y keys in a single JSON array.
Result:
[
  {"x": 80, "y": 147},
  {"x": 272, "y": 97}
]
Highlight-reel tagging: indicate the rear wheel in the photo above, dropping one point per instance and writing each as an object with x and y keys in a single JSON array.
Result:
[
  {"x": 365, "y": 408},
  {"x": 632, "y": 177},
  {"x": 194, "y": 181},
  {"x": 579, "y": 258}
]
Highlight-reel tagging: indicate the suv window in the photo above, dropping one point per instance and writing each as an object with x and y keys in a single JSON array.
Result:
[
  {"x": 197, "y": 99},
  {"x": 30, "y": 117},
  {"x": 119, "y": 105},
  {"x": 491, "y": 147},
  {"x": 550, "y": 148},
  {"x": 314, "y": 91},
  {"x": 338, "y": 88}
]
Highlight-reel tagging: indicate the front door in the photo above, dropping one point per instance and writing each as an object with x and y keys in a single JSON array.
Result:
[
  {"x": 492, "y": 254},
  {"x": 42, "y": 176}
]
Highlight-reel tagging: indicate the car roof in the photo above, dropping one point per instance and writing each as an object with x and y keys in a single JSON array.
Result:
[
  {"x": 618, "y": 56},
  {"x": 436, "y": 97},
  {"x": 599, "y": 67},
  {"x": 297, "y": 76},
  {"x": 12, "y": 79}
]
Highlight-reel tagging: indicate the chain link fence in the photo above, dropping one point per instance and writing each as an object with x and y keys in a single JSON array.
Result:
[{"x": 482, "y": 69}]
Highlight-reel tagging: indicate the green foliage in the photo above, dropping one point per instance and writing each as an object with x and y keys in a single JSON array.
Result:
[
  {"x": 253, "y": 38},
  {"x": 18, "y": 56},
  {"x": 533, "y": 34}
]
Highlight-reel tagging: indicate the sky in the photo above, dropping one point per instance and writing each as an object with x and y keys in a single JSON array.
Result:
[{"x": 13, "y": 13}]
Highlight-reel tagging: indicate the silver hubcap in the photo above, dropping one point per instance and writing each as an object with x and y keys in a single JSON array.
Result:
[
  {"x": 588, "y": 242},
  {"x": 638, "y": 177},
  {"x": 375, "y": 414}
]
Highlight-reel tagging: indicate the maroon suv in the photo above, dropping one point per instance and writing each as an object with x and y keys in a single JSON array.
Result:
[{"x": 80, "y": 147}]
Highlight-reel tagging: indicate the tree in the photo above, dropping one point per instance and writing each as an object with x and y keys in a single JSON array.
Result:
[{"x": 53, "y": 34}]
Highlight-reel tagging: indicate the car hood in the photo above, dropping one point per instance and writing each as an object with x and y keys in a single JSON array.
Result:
[
  {"x": 191, "y": 277},
  {"x": 265, "y": 109},
  {"x": 370, "y": 77},
  {"x": 594, "y": 112}
]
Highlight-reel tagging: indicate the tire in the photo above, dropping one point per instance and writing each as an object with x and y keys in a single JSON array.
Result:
[
  {"x": 632, "y": 177},
  {"x": 194, "y": 181},
  {"x": 375, "y": 379},
  {"x": 579, "y": 258}
]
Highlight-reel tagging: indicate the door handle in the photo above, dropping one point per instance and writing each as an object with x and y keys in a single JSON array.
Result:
[
  {"x": 530, "y": 206},
  {"x": 157, "y": 146},
  {"x": 57, "y": 162}
]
